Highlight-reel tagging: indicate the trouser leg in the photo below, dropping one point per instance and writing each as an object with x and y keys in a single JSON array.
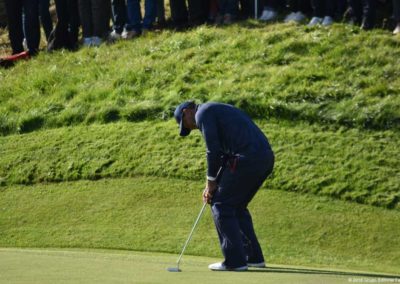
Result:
[
  {"x": 85, "y": 13},
  {"x": 32, "y": 25},
  {"x": 15, "y": 32},
  {"x": 118, "y": 15},
  {"x": 101, "y": 17}
]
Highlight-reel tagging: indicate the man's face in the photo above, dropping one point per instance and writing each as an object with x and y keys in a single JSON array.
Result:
[{"x": 188, "y": 118}]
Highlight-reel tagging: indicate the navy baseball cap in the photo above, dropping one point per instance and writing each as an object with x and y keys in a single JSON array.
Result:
[{"x": 178, "y": 114}]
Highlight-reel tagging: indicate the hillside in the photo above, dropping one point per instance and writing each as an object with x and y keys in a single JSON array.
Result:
[
  {"x": 91, "y": 157},
  {"x": 331, "y": 97}
]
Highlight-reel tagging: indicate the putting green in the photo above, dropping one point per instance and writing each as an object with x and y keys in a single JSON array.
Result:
[{"x": 99, "y": 266}]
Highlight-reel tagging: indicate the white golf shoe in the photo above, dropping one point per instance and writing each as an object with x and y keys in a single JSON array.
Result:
[
  {"x": 219, "y": 266},
  {"x": 328, "y": 21},
  {"x": 315, "y": 21},
  {"x": 268, "y": 15}
]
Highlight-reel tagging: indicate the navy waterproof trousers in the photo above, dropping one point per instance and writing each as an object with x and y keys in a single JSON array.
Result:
[{"x": 237, "y": 187}]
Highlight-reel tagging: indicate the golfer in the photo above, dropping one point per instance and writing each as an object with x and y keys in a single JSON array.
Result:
[{"x": 234, "y": 142}]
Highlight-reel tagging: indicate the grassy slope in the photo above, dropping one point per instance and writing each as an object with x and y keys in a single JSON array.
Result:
[
  {"x": 354, "y": 165},
  {"x": 339, "y": 76},
  {"x": 329, "y": 78},
  {"x": 156, "y": 214}
]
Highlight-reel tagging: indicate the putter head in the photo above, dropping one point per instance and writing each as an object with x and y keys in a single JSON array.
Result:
[{"x": 174, "y": 269}]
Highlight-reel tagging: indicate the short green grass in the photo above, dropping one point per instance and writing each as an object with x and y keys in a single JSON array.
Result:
[
  {"x": 97, "y": 266},
  {"x": 156, "y": 214}
]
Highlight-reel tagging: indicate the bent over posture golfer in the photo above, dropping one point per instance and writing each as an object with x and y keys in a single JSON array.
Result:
[{"x": 234, "y": 142}]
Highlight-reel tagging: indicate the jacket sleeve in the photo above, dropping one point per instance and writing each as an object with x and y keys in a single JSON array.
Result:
[{"x": 209, "y": 128}]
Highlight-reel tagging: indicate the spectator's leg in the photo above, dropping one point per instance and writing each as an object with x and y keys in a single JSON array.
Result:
[
  {"x": 73, "y": 22},
  {"x": 396, "y": 14},
  {"x": 179, "y": 12},
  {"x": 160, "y": 12},
  {"x": 32, "y": 25},
  {"x": 134, "y": 16},
  {"x": 231, "y": 8},
  {"x": 355, "y": 11},
  {"x": 101, "y": 17},
  {"x": 330, "y": 8},
  {"x": 45, "y": 17},
  {"x": 150, "y": 12},
  {"x": 369, "y": 12},
  {"x": 85, "y": 13},
  {"x": 198, "y": 11},
  {"x": 118, "y": 15},
  {"x": 318, "y": 8},
  {"x": 15, "y": 32}
]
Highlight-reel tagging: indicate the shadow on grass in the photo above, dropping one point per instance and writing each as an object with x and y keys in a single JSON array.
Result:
[{"x": 322, "y": 272}]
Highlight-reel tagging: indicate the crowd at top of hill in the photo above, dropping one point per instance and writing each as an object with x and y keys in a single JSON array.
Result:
[{"x": 93, "y": 16}]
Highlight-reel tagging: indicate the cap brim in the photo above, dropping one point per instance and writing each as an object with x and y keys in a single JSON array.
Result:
[{"x": 184, "y": 131}]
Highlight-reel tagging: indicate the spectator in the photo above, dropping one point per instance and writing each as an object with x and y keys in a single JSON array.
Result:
[
  {"x": 119, "y": 18},
  {"x": 16, "y": 25},
  {"x": 160, "y": 13},
  {"x": 298, "y": 10},
  {"x": 65, "y": 33},
  {"x": 246, "y": 8},
  {"x": 323, "y": 12},
  {"x": 195, "y": 12},
  {"x": 396, "y": 12},
  {"x": 270, "y": 11},
  {"x": 362, "y": 12},
  {"x": 45, "y": 17},
  {"x": 95, "y": 18},
  {"x": 136, "y": 25},
  {"x": 228, "y": 11}
]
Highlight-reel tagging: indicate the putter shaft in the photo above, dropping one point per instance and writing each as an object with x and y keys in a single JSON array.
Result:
[{"x": 191, "y": 234}]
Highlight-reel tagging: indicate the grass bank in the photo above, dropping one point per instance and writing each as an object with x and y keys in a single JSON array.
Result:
[
  {"x": 156, "y": 214},
  {"x": 339, "y": 76},
  {"x": 349, "y": 164}
]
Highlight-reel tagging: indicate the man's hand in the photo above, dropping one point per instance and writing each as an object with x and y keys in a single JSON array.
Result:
[{"x": 208, "y": 193}]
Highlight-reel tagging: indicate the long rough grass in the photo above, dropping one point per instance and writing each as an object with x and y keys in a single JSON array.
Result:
[
  {"x": 354, "y": 165},
  {"x": 338, "y": 76},
  {"x": 341, "y": 83}
]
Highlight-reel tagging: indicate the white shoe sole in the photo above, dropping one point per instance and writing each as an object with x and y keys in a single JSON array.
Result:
[{"x": 220, "y": 267}]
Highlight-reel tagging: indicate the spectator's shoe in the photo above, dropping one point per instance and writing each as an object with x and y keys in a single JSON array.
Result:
[
  {"x": 87, "y": 41},
  {"x": 367, "y": 24},
  {"x": 114, "y": 36},
  {"x": 228, "y": 19},
  {"x": 315, "y": 21},
  {"x": 219, "y": 20},
  {"x": 96, "y": 41},
  {"x": 397, "y": 30},
  {"x": 299, "y": 17},
  {"x": 129, "y": 34},
  {"x": 328, "y": 21},
  {"x": 257, "y": 265},
  {"x": 219, "y": 266},
  {"x": 268, "y": 15},
  {"x": 9, "y": 61},
  {"x": 290, "y": 17}
]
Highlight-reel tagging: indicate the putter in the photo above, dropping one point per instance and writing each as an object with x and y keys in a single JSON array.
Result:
[{"x": 176, "y": 269}]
